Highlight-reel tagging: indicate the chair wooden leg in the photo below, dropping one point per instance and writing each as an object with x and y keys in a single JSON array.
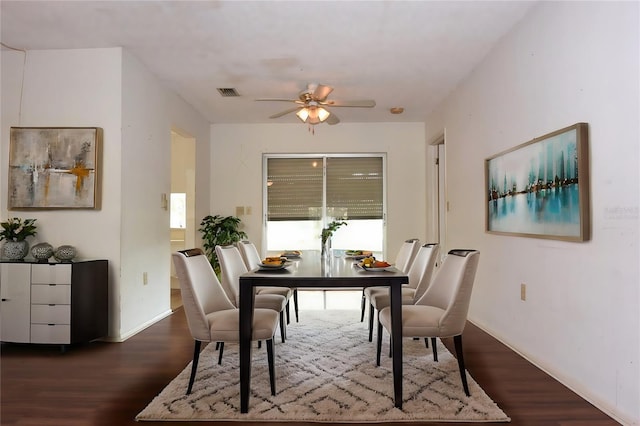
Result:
[
  {"x": 426, "y": 343},
  {"x": 457, "y": 341},
  {"x": 362, "y": 306},
  {"x": 288, "y": 313},
  {"x": 434, "y": 348},
  {"x": 220, "y": 354},
  {"x": 282, "y": 327},
  {"x": 194, "y": 365},
  {"x": 379, "y": 344},
  {"x": 371, "y": 315},
  {"x": 217, "y": 345},
  {"x": 272, "y": 370},
  {"x": 295, "y": 302}
]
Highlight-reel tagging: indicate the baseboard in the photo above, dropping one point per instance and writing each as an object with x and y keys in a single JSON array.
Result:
[
  {"x": 123, "y": 337},
  {"x": 583, "y": 392}
]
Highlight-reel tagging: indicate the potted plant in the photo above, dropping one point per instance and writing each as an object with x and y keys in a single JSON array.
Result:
[
  {"x": 219, "y": 231},
  {"x": 15, "y": 231}
]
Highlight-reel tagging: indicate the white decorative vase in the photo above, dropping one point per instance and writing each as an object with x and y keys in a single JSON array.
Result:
[
  {"x": 15, "y": 250},
  {"x": 65, "y": 253},
  {"x": 42, "y": 252}
]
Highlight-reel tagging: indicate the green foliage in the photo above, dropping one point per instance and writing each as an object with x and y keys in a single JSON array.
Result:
[
  {"x": 330, "y": 229},
  {"x": 219, "y": 231},
  {"x": 15, "y": 229}
]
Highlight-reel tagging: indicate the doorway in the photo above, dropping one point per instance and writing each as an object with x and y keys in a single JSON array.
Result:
[
  {"x": 442, "y": 203},
  {"x": 182, "y": 202}
]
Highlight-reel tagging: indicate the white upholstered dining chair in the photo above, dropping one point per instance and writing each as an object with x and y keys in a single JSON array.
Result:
[
  {"x": 231, "y": 267},
  {"x": 420, "y": 275},
  {"x": 211, "y": 316},
  {"x": 403, "y": 262},
  {"x": 249, "y": 253},
  {"x": 442, "y": 310},
  {"x": 252, "y": 259}
]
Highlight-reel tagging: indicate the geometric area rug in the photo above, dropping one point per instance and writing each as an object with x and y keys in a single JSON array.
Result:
[{"x": 326, "y": 373}]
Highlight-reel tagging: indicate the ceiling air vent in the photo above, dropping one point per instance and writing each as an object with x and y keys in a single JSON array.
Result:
[{"x": 227, "y": 92}]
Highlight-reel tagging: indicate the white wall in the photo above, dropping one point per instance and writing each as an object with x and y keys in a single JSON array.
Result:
[
  {"x": 146, "y": 166},
  {"x": 236, "y": 168},
  {"x": 149, "y": 114},
  {"x": 71, "y": 88},
  {"x": 108, "y": 88},
  {"x": 566, "y": 62}
]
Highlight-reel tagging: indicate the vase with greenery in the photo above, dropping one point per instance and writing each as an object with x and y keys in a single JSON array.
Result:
[
  {"x": 219, "y": 231},
  {"x": 327, "y": 233},
  {"x": 15, "y": 232}
]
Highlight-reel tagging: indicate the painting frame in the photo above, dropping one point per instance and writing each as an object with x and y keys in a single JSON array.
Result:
[
  {"x": 540, "y": 189},
  {"x": 54, "y": 168}
]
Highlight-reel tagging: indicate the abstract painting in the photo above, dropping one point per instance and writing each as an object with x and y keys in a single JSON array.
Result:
[
  {"x": 541, "y": 188},
  {"x": 54, "y": 168}
]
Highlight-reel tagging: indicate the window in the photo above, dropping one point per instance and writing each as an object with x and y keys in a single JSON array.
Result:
[
  {"x": 302, "y": 193},
  {"x": 178, "y": 213}
]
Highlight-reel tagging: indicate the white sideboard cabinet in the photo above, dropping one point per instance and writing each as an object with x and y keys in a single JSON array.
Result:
[{"x": 55, "y": 303}]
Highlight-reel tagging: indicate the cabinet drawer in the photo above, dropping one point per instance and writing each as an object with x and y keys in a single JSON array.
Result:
[
  {"x": 50, "y": 314},
  {"x": 51, "y": 294},
  {"x": 51, "y": 274},
  {"x": 44, "y": 333}
]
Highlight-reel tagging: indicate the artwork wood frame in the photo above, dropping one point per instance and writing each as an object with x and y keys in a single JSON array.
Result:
[
  {"x": 54, "y": 168},
  {"x": 540, "y": 188}
]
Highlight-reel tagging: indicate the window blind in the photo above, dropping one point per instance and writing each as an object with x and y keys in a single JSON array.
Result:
[
  {"x": 294, "y": 188},
  {"x": 354, "y": 187}
]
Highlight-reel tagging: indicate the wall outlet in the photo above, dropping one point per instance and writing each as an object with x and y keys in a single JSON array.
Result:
[
  {"x": 247, "y": 210},
  {"x": 145, "y": 278},
  {"x": 239, "y": 211},
  {"x": 523, "y": 291}
]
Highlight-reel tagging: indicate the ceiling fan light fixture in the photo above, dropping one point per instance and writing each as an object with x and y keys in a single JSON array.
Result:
[
  {"x": 303, "y": 114},
  {"x": 323, "y": 114},
  {"x": 313, "y": 114}
]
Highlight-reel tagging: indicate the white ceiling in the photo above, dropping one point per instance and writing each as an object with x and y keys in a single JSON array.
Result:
[{"x": 399, "y": 53}]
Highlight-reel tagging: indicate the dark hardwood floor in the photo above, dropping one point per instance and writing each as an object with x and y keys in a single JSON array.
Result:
[
  {"x": 109, "y": 383},
  {"x": 176, "y": 300}
]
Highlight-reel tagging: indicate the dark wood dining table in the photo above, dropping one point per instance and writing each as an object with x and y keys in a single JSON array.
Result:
[{"x": 313, "y": 271}]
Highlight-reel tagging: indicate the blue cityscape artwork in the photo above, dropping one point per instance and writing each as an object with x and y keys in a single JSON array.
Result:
[{"x": 535, "y": 189}]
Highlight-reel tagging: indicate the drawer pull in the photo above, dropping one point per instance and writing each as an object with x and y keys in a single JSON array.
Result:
[
  {"x": 50, "y": 325},
  {"x": 53, "y": 285},
  {"x": 52, "y": 304}
]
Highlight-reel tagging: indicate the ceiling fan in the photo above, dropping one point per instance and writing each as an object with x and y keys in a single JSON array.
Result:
[{"x": 312, "y": 105}]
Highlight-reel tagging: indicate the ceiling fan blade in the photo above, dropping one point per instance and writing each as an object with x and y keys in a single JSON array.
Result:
[
  {"x": 333, "y": 119},
  {"x": 278, "y": 100},
  {"x": 285, "y": 112},
  {"x": 365, "y": 103},
  {"x": 321, "y": 92}
]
